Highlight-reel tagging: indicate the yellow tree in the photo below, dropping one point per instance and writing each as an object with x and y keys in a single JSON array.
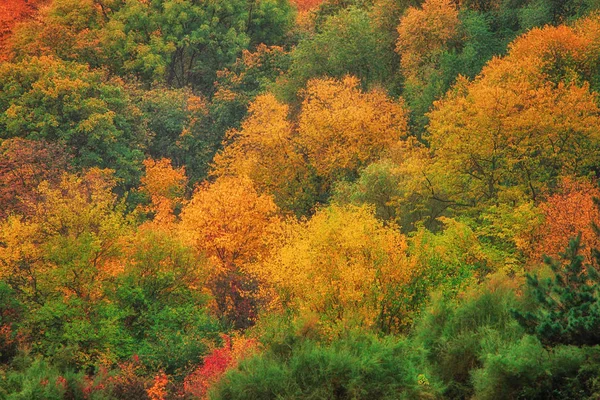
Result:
[
  {"x": 342, "y": 264},
  {"x": 342, "y": 129},
  {"x": 589, "y": 29},
  {"x": 526, "y": 119},
  {"x": 165, "y": 186},
  {"x": 264, "y": 150},
  {"x": 60, "y": 259},
  {"x": 68, "y": 243},
  {"x": 423, "y": 34},
  {"x": 231, "y": 222}
]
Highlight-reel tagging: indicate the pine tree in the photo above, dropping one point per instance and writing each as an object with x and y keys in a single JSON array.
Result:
[{"x": 568, "y": 309}]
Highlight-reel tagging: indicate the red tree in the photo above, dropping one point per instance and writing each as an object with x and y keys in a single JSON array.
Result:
[
  {"x": 216, "y": 364},
  {"x": 11, "y": 13},
  {"x": 567, "y": 213},
  {"x": 305, "y": 5},
  {"x": 24, "y": 164}
]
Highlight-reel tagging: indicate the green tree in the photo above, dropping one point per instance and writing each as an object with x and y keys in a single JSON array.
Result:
[
  {"x": 181, "y": 42},
  {"x": 238, "y": 85},
  {"x": 356, "y": 366},
  {"x": 177, "y": 126},
  {"x": 11, "y": 313},
  {"x": 159, "y": 305},
  {"x": 65, "y": 102},
  {"x": 350, "y": 43},
  {"x": 187, "y": 42},
  {"x": 458, "y": 334},
  {"x": 568, "y": 306}
]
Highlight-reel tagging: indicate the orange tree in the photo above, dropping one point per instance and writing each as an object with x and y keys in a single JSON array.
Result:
[
  {"x": 529, "y": 117},
  {"x": 230, "y": 223}
]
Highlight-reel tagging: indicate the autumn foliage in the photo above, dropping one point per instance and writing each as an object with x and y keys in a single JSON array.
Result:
[
  {"x": 11, "y": 13},
  {"x": 525, "y": 120},
  {"x": 569, "y": 212},
  {"x": 232, "y": 224},
  {"x": 264, "y": 150},
  {"x": 423, "y": 34},
  {"x": 343, "y": 129},
  {"x": 342, "y": 265},
  {"x": 24, "y": 164},
  {"x": 299, "y": 199},
  {"x": 215, "y": 364},
  {"x": 339, "y": 130},
  {"x": 165, "y": 186},
  {"x": 305, "y": 5}
]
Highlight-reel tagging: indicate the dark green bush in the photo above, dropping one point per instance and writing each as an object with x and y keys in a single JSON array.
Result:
[
  {"x": 526, "y": 370},
  {"x": 457, "y": 335},
  {"x": 356, "y": 367}
]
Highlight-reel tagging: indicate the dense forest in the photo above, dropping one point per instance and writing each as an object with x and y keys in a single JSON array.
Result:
[{"x": 299, "y": 199}]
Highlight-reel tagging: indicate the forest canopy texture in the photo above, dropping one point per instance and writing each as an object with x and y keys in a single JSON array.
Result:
[{"x": 299, "y": 199}]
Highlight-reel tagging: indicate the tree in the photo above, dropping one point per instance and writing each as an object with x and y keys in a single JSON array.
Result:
[
  {"x": 217, "y": 363},
  {"x": 24, "y": 164},
  {"x": 569, "y": 212},
  {"x": 161, "y": 307},
  {"x": 589, "y": 28},
  {"x": 305, "y": 5},
  {"x": 175, "y": 124},
  {"x": 238, "y": 85},
  {"x": 67, "y": 103},
  {"x": 13, "y": 12},
  {"x": 341, "y": 129},
  {"x": 182, "y": 43},
  {"x": 567, "y": 306},
  {"x": 562, "y": 53},
  {"x": 377, "y": 185},
  {"x": 343, "y": 265},
  {"x": 228, "y": 219},
  {"x": 165, "y": 186},
  {"x": 355, "y": 365},
  {"x": 65, "y": 29},
  {"x": 525, "y": 120},
  {"x": 58, "y": 260},
  {"x": 458, "y": 335},
  {"x": 11, "y": 313},
  {"x": 439, "y": 40},
  {"x": 347, "y": 44},
  {"x": 231, "y": 223},
  {"x": 164, "y": 40},
  {"x": 423, "y": 35},
  {"x": 265, "y": 151},
  {"x": 69, "y": 240}
]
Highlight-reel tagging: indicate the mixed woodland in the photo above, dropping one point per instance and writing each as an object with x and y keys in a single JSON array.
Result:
[{"x": 299, "y": 199}]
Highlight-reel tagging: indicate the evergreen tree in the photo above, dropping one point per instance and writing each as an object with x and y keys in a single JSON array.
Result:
[{"x": 568, "y": 309}]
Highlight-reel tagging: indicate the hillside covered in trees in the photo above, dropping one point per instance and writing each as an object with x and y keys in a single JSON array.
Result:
[{"x": 299, "y": 199}]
